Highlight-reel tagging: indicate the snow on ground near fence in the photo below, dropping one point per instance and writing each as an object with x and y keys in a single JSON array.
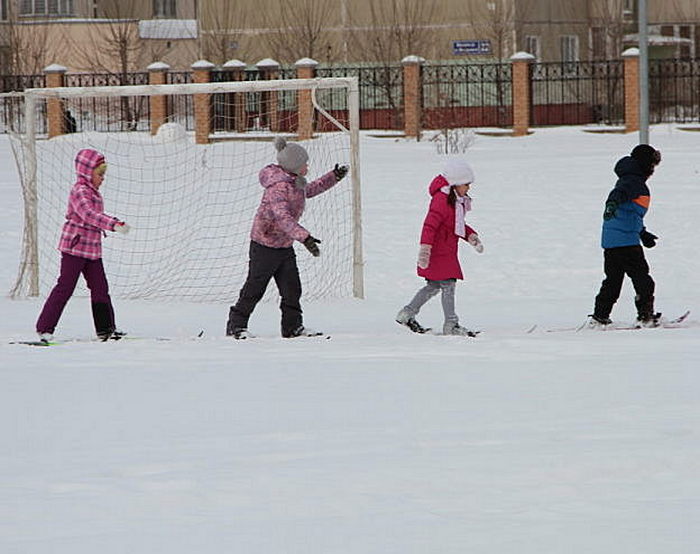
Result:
[{"x": 379, "y": 441}]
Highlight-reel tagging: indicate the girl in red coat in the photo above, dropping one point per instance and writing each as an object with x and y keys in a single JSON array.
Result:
[{"x": 437, "y": 257}]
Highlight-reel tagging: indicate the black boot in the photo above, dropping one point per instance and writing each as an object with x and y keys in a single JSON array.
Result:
[{"x": 103, "y": 319}]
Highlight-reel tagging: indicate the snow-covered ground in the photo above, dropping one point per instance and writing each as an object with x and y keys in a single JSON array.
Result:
[{"x": 379, "y": 441}]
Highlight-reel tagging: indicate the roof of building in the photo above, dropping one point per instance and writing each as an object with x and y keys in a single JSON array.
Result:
[{"x": 168, "y": 29}]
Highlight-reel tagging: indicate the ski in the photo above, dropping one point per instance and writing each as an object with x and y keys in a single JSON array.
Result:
[
  {"x": 471, "y": 333},
  {"x": 414, "y": 326},
  {"x": 673, "y": 323},
  {"x": 121, "y": 337}
]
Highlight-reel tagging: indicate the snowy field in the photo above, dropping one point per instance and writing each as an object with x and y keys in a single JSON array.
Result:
[{"x": 378, "y": 441}]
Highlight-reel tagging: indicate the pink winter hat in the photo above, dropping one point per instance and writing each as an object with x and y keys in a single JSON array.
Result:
[{"x": 457, "y": 171}]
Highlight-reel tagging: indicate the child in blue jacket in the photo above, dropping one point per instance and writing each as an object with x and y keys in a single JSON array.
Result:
[{"x": 623, "y": 229}]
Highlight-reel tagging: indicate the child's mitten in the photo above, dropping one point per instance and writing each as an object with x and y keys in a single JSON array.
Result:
[
  {"x": 474, "y": 240},
  {"x": 424, "y": 255},
  {"x": 122, "y": 228},
  {"x": 311, "y": 245},
  {"x": 648, "y": 239}
]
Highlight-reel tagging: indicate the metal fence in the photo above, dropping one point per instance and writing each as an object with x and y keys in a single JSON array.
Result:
[
  {"x": 674, "y": 91},
  {"x": 107, "y": 114},
  {"x": 577, "y": 93},
  {"x": 478, "y": 95},
  {"x": 453, "y": 95}
]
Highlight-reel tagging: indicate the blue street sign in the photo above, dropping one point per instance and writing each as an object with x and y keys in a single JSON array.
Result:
[{"x": 471, "y": 47}]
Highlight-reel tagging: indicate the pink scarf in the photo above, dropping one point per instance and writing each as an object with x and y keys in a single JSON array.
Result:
[{"x": 463, "y": 204}]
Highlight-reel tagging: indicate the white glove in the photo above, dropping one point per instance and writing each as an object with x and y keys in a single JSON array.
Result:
[
  {"x": 473, "y": 239},
  {"x": 122, "y": 228},
  {"x": 424, "y": 255}
]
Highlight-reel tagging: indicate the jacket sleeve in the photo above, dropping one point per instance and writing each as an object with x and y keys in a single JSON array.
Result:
[
  {"x": 432, "y": 222},
  {"x": 469, "y": 230},
  {"x": 279, "y": 207},
  {"x": 81, "y": 203},
  {"x": 322, "y": 184}
]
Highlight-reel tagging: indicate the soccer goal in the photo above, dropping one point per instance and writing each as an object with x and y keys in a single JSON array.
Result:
[{"x": 190, "y": 195}]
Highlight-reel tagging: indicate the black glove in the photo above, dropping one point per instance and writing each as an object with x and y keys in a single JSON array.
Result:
[
  {"x": 340, "y": 171},
  {"x": 610, "y": 210},
  {"x": 311, "y": 245},
  {"x": 648, "y": 239}
]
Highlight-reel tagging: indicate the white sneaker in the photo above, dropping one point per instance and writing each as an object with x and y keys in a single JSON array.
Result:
[
  {"x": 403, "y": 316},
  {"x": 45, "y": 337},
  {"x": 457, "y": 329}
]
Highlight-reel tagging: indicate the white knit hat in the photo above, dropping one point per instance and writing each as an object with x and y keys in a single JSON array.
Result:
[
  {"x": 457, "y": 171},
  {"x": 290, "y": 156}
]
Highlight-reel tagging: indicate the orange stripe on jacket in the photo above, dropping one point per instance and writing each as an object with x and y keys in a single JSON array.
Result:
[{"x": 643, "y": 201}]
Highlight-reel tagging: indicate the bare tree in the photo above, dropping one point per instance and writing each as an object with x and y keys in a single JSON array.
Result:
[
  {"x": 394, "y": 29},
  {"x": 389, "y": 31},
  {"x": 301, "y": 28},
  {"x": 222, "y": 31},
  {"x": 27, "y": 50}
]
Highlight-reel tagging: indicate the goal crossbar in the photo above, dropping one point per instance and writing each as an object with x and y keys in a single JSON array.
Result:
[{"x": 196, "y": 88}]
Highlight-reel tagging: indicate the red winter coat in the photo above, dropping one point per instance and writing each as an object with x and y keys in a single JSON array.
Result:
[{"x": 439, "y": 232}]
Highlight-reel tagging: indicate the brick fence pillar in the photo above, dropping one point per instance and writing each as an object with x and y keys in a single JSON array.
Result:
[
  {"x": 235, "y": 107},
  {"x": 412, "y": 95},
  {"x": 270, "y": 105},
  {"x": 521, "y": 88},
  {"x": 55, "y": 111},
  {"x": 631, "y": 58},
  {"x": 201, "y": 73},
  {"x": 306, "y": 69},
  {"x": 158, "y": 75}
]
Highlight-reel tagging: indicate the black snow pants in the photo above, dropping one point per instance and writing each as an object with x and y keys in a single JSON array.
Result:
[
  {"x": 264, "y": 264},
  {"x": 626, "y": 260}
]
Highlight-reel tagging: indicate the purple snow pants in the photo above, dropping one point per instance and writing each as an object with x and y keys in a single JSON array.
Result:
[{"x": 94, "y": 273}]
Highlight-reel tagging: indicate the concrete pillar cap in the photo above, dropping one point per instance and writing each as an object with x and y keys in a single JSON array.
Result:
[
  {"x": 158, "y": 66},
  {"x": 412, "y": 59},
  {"x": 305, "y": 62},
  {"x": 203, "y": 64},
  {"x": 235, "y": 64},
  {"x": 55, "y": 68},
  {"x": 631, "y": 53},
  {"x": 267, "y": 63},
  {"x": 522, "y": 57}
]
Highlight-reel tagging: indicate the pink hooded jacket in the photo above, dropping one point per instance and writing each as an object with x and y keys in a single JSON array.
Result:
[
  {"x": 439, "y": 232},
  {"x": 276, "y": 223},
  {"x": 85, "y": 218}
]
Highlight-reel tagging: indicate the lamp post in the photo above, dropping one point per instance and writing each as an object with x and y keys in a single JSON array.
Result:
[{"x": 643, "y": 72}]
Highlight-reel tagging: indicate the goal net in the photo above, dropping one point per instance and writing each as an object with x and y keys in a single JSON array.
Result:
[{"x": 190, "y": 190}]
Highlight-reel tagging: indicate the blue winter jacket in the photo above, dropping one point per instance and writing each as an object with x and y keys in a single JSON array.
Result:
[{"x": 632, "y": 197}]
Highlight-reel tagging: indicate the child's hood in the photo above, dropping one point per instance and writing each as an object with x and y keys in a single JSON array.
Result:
[
  {"x": 273, "y": 173},
  {"x": 629, "y": 166},
  {"x": 86, "y": 161},
  {"x": 437, "y": 184}
]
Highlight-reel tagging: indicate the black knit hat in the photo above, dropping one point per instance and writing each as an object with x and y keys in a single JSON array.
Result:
[{"x": 647, "y": 156}]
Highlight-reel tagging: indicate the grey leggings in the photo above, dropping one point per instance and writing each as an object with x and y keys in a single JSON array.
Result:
[{"x": 431, "y": 289}]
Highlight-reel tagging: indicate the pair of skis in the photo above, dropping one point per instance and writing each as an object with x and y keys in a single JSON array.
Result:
[{"x": 674, "y": 323}]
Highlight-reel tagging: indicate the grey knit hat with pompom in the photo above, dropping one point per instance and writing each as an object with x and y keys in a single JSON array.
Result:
[{"x": 290, "y": 156}]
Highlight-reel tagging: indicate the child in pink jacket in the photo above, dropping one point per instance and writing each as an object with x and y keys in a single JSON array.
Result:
[
  {"x": 81, "y": 250},
  {"x": 438, "y": 263},
  {"x": 275, "y": 228}
]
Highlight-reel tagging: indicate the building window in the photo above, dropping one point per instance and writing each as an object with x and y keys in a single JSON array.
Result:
[
  {"x": 3, "y": 10},
  {"x": 164, "y": 8},
  {"x": 569, "y": 48},
  {"x": 532, "y": 45},
  {"x": 599, "y": 43},
  {"x": 45, "y": 7}
]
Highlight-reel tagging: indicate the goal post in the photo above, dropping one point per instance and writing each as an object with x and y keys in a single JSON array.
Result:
[{"x": 191, "y": 205}]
